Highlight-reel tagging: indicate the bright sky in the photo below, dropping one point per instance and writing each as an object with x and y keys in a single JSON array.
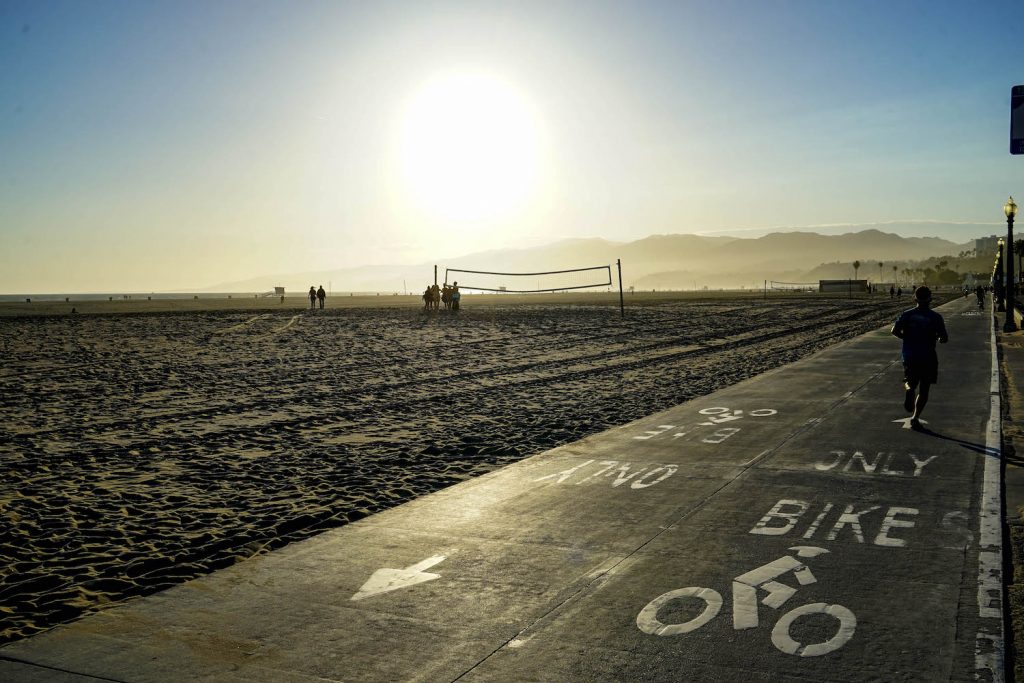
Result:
[{"x": 172, "y": 145}]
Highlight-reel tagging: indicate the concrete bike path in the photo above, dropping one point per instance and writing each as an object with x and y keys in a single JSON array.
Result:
[{"x": 791, "y": 527}]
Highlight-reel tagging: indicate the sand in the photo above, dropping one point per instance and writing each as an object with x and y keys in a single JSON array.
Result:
[{"x": 141, "y": 450}]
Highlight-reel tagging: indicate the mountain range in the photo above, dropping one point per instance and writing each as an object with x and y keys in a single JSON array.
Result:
[{"x": 676, "y": 261}]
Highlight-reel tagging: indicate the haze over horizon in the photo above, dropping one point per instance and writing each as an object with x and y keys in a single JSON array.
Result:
[{"x": 161, "y": 146}]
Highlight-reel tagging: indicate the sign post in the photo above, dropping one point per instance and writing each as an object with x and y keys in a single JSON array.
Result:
[{"x": 1017, "y": 120}]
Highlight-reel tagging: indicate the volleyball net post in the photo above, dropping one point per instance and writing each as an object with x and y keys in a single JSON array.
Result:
[{"x": 622, "y": 301}]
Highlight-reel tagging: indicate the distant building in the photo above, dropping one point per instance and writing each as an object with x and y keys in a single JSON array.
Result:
[
  {"x": 986, "y": 246},
  {"x": 842, "y": 286}
]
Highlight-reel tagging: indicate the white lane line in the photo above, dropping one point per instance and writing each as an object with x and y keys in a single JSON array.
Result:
[
  {"x": 605, "y": 567},
  {"x": 756, "y": 457},
  {"x": 990, "y": 644}
]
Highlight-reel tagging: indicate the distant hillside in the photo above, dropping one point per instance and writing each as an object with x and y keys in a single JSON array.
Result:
[
  {"x": 786, "y": 249},
  {"x": 657, "y": 261}
]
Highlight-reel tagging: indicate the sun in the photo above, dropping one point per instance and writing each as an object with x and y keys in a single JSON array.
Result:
[{"x": 469, "y": 147}]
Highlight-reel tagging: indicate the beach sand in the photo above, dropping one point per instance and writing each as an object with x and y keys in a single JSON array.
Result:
[{"x": 144, "y": 448}]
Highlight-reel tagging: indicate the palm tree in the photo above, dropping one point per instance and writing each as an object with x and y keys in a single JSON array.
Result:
[
  {"x": 880, "y": 264},
  {"x": 894, "y": 274},
  {"x": 856, "y": 267}
]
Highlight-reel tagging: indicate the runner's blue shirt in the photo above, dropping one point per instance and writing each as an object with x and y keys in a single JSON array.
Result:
[{"x": 919, "y": 329}]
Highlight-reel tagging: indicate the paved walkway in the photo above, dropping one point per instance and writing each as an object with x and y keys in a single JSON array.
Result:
[
  {"x": 791, "y": 527},
  {"x": 1011, "y": 346}
]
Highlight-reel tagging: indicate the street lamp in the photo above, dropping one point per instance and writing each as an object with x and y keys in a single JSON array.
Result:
[
  {"x": 998, "y": 279},
  {"x": 1010, "y": 209}
]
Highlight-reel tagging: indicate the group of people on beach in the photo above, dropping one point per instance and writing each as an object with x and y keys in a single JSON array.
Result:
[
  {"x": 919, "y": 328},
  {"x": 315, "y": 294},
  {"x": 434, "y": 296}
]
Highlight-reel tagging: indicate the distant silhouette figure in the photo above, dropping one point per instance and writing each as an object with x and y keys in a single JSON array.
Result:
[
  {"x": 892, "y": 291},
  {"x": 312, "y": 297},
  {"x": 979, "y": 292},
  {"x": 899, "y": 292},
  {"x": 321, "y": 295},
  {"x": 426, "y": 298},
  {"x": 456, "y": 296}
]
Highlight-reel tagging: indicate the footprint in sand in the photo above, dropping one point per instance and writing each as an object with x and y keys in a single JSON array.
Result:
[{"x": 293, "y": 321}]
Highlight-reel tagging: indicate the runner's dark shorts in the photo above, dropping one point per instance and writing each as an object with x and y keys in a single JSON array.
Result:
[{"x": 921, "y": 370}]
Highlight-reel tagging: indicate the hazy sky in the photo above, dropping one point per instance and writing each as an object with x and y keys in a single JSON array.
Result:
[{"x": 168, "y": 145}]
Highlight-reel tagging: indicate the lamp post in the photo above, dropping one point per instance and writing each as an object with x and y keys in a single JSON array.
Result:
[
  {"x": 997, "y": 279},
  {"x": 1010, "y": 209}
]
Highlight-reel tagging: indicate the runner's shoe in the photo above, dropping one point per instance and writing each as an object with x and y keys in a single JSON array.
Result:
[{"x": 915, "y": 424}]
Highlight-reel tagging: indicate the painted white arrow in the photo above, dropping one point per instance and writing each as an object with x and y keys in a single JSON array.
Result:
[
  {"x": 905, "y": 421},
  {"x": 384, "y": 580}
]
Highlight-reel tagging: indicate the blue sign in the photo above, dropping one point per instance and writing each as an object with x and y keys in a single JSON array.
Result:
[{"x": 1017, "y": 120}]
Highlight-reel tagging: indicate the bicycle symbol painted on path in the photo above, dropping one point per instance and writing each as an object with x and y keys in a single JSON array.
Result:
[
  {"x": 745, "y": 611},
  {"x": 721, "y": 415},
  {"x": 712, "y": 417}
]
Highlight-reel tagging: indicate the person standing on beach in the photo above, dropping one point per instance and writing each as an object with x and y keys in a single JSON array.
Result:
[
  {"x": 312, "y": 298},
  {"x": 321, "y": 295},
  {"x": 919, "y": 328}
]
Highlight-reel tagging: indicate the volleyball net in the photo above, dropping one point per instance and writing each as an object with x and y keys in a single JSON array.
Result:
[
  {"x": 524, "y": 283},
  {"x": 777, "y": 286}
]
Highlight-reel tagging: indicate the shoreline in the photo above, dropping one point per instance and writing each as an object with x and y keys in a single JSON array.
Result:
[{"x": 295, "y": 303}]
